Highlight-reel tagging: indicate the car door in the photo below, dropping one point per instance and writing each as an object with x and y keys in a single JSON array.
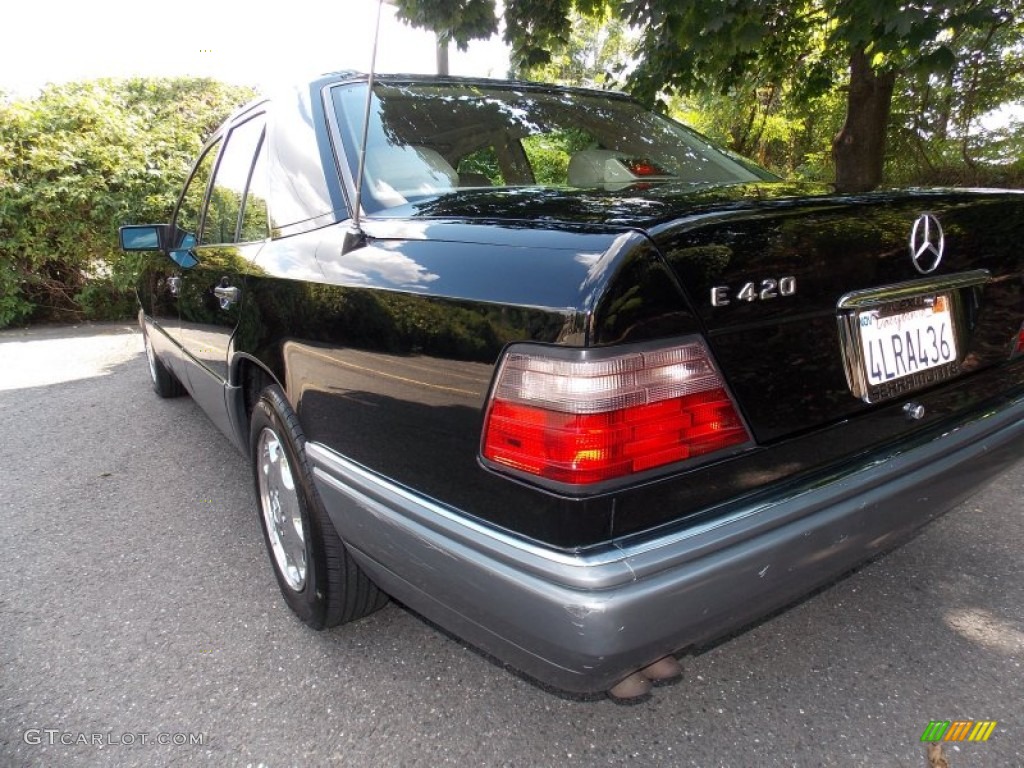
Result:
[
  {"x": 163, "y": 278},
  {"x": 227, "y": 240},
  {"x": 158, "y": 287}
]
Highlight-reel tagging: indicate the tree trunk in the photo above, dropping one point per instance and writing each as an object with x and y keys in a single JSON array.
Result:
[
  {"x": 442, "y": 56},
  {"x": 859, "y": 148},
  {"x": 946, "y": 111}
]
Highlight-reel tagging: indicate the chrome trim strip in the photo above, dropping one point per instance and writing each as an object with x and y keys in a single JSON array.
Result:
[{"x": 871, "y": 297}]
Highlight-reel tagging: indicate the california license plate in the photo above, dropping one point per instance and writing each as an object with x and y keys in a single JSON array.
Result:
[
  {"x": 899, "y": 338},
  {"x": 900, "y": 344}
]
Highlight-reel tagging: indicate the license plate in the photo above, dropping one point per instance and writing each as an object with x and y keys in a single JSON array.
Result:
[
  {"x": 899, "y": 338},
  {"x": 901, "y": 344}
]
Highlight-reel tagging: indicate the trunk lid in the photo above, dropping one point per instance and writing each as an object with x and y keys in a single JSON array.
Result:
[{"x": 766, "y": 275}]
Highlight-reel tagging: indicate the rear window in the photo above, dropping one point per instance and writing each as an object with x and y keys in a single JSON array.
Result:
[{"x": 428, "y": 139}]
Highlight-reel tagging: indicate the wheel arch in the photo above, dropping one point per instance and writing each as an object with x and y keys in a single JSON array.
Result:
[{"x": 248, "y": 377}]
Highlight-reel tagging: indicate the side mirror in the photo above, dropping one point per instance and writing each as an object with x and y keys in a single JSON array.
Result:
[
  {"x": 182, "y": 254},
  {"x": 142, "y": 237}
]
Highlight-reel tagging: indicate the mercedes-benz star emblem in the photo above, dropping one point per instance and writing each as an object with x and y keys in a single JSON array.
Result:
[{"x": 926, "y": 243}]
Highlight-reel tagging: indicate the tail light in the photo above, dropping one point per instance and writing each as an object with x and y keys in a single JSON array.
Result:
[
  {"x": 1018, "y": 347},
  {"x": 588, "y": 416}
]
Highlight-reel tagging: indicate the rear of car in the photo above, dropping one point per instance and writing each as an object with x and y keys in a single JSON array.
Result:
[
  {"x": 772, "y": 383},
  {"x": 576, "y": 384}
]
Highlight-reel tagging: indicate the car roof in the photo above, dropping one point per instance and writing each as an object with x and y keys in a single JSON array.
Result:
[{"x": 346, "y": 76}]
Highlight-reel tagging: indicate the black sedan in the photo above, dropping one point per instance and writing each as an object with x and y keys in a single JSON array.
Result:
[{"x": 564, "y": 377}]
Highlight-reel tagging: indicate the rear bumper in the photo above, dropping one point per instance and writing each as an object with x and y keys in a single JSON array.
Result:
[{"x": 582, "y": 621}]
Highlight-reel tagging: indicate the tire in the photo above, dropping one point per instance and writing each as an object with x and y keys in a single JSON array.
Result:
[
  {"x": 318, "y": 578},
  {"x": 165, "y": 383}
]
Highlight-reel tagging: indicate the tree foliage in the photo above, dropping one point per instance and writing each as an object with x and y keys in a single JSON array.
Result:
[
  {"x": 802, "y": 49},
  {"x": 769, "y": 124},
  {"x": 598, "y": 54},
  {"x": 938, "y": 132},
  {"x": 774, "y": 122},
  {"x": 457, "y": 21},
  {"x": 76, "y": 162}
]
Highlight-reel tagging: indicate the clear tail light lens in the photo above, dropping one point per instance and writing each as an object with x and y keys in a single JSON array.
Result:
[{"x": 597, "y": 417}]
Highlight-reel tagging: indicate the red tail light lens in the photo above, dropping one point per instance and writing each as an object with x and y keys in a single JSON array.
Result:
[
  {"x": 587, "y": 420},
  {"x": 1019, "y": 347}
]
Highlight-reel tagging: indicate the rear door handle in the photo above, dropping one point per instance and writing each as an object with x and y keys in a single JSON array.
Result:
[{"x": 228, "y": 295}]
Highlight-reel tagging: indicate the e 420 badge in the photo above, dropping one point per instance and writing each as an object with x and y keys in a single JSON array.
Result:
[{"x": 763, "y": 290}]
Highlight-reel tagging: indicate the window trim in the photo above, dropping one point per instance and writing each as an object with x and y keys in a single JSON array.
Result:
[
  {"x": 214, "y": 142},
  {"x": 226, "y": 136}
]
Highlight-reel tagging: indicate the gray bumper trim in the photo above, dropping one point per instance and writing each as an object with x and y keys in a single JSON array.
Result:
[{"x": 582, "y": 621}]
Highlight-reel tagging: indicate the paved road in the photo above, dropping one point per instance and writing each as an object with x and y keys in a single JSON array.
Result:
[{"x": 136, "y": 601}]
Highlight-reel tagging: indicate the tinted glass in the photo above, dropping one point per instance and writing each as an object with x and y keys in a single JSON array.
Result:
[
  {"x": 221, "y": 221},
  {"x": 424, "y": 137},
  {"x": 480, "y": 169},
  {"x": 255, "y": 221}
]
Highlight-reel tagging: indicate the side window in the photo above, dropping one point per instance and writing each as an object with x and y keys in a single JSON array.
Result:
[
  {"x": 191, "y": 206},
  {"x": 221, "y": 220},
  {"x": 255, "y": 218}
]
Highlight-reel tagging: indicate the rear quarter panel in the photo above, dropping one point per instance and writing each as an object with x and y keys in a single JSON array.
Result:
[{"x": 387, "y": 351}]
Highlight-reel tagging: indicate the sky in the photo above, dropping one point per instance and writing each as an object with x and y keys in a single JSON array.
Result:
[
  {"x": 246, "y": 43},
  {"x": 265, "y": 45}
]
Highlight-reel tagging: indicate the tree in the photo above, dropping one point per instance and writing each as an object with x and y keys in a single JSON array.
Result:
[
  {"x": 716, "y": 44},
  {"x": 599, "y": 51},
  {"x": 771, "y": 121},
  {"x": 937, "y": 129},
  {"x": 75, "y": 163},
  {"x": 457, "y": 21}
]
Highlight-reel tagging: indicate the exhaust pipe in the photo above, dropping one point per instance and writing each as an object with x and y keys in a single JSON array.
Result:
[{"x": 639, "y": 684}]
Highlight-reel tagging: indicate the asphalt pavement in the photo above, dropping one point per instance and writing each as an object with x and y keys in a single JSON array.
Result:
[{"x": 140, "y": 623}]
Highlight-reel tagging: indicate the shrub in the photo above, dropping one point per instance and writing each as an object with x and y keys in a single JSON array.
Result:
[{"x": 78, "y": 161}]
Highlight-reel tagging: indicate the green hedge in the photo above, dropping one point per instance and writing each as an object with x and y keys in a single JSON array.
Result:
[{"x": 76, "y": 162}]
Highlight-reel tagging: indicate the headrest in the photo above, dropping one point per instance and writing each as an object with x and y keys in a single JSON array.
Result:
[{"x": 590, "y": 167}]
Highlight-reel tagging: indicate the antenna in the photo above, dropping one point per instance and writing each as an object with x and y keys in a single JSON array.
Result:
[{"x": 357, "y": 233}]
